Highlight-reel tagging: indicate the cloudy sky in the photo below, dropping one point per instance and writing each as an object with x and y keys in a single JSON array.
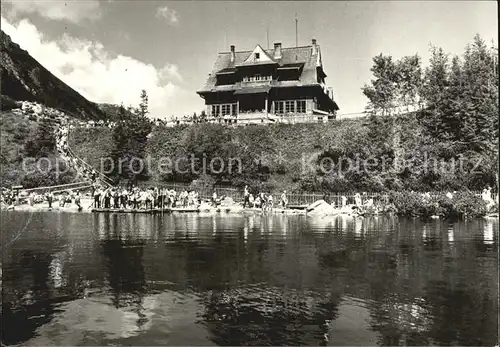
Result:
[{"x": 109, "y": 50}]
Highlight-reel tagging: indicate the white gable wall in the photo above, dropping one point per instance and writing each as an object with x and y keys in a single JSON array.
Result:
[{"x": 262, "y": 55}]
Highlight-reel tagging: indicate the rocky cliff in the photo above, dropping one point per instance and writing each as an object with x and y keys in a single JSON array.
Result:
[{"x": 24, "y": 78}]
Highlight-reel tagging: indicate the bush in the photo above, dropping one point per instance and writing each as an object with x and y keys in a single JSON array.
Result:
[
  {"x": 468, "y": 205},
  {"x": 48, "y": 176},
  {"x": 7, "y": 103},
  {"x": 462, "y": 205},
  {"x": 409, "y": 204}
]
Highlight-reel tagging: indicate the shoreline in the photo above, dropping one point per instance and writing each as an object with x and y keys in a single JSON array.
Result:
[
  {"x": 319, "y": 209},
  {"x": 202, "y": 210},
  {"x": 236, "y": 208}
]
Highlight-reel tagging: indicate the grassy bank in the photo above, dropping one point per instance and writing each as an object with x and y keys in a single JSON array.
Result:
[
  {"x": 91, "y": 144},
  {"x": 304, "y": 157},
  {"x": 271, "y": 157},
  {"x": 23, "y": 144}
]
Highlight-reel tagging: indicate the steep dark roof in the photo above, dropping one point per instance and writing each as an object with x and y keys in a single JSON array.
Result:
[{"x": 289, "y": 56}]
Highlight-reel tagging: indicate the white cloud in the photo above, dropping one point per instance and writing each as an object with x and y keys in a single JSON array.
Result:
[
  {"x": 169, "y": 14},
  {"x": 75, "y": 11},
  {"x": 170, "y": 72},
  {"x": 97, "y": 74}
]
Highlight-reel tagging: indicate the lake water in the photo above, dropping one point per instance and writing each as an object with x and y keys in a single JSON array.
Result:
[{"x": 110, "y": 279}]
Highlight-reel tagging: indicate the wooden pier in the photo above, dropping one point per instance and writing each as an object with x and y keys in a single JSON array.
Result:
[
  {"x": 219, "y": 209},
  {"x": 147, "y": 211}
]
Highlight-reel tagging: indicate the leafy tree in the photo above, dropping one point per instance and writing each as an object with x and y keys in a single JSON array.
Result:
[
  {"x": 409, "y": 81},
  {"x": 382, "y": 92},
  {"x": 458, "y": 113}
]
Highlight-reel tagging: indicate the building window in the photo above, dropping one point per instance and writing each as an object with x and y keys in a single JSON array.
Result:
[
  {"x": 301, "y": 106},
  {"x": 257, "y": 56},
  {"x": 290, "y": 106},
  {"x": 224, "y": 109},
  {"x": 215, "y": 110},
  {"x": 257, "y": 77},
  {"x": 278, "y": 107}
]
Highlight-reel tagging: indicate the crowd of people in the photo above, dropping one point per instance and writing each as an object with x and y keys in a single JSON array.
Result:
[
  {"x": 10, "y": 197},
  {"x": 264, "y": 201},
  {"x": 148, "y": 198},
  {"x": 102, "y": 197},
  {"x": 84, "y": 171},
  {"x": 137, "y": 198}
]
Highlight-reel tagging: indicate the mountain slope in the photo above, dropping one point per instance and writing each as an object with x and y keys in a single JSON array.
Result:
[{"x": 24, "y": 78}]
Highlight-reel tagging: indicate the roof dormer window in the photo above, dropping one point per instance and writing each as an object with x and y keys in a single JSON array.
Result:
[{"x": 257, "y": 56}]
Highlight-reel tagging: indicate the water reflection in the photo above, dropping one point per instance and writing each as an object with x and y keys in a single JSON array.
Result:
[
  {"x": 128, "y": 279},
  {"x": 488, "y": 232},
  {"x": 451, "y": 236}
]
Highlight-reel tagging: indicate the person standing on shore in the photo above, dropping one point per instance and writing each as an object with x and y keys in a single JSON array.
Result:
[
  {"x": 246, "y": 197},
  {"x": 344, "y": 200},
  {"x": 107, "y": 198},
  {"x": 251, "y": 201},
  {"x": 173, "y": 198},
  {"x": 156, "y": 197},
  {"x": 123, "y": 198},
  {"x": 135, "y": 198},
  {"x": 77, "y": 201},
  {"x": 263, "y": 202},
  {"x": 97, "y": 197},
  {"x": 143, "y": 200},
  {"x": 357, "y": 199},
  {"x": 116, "y": 198},
  {"x": 50, "y": 197},
  {"x": 214, "y": 198},
  {"x": 284, "y": 200},
  {"x": 62, "y": 199}
]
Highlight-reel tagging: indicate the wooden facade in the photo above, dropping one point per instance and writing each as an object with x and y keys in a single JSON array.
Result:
[{"x": 278, "y": 82}]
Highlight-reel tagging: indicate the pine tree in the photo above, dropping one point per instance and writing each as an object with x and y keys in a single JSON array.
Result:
[
  {"x": 130, "y": 139},
  {"x": 143, "y": 106},
  {"x": 472, "y": 109}
]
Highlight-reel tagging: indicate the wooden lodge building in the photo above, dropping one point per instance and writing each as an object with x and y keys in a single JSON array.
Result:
[{"x": 280, "y": 84}]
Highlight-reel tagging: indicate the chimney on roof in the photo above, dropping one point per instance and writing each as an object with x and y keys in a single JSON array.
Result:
[
  {"x": 277, "y": 50},
  {"x": 315, "y": 48},
  {"x": 232, "y": 54}
]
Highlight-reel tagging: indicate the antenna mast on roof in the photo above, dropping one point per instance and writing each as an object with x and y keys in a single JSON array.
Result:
[
  {"x": 296, "y": 35},
  {"x": 225, "y": 30},
  {"x": 267, "y": 33},
  {"x": 296, "y": 31}
]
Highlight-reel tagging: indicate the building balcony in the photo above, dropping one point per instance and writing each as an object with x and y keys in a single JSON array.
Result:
[
  {"x": 262, "y": 83},
  {"x": 260, "y": 117}
]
